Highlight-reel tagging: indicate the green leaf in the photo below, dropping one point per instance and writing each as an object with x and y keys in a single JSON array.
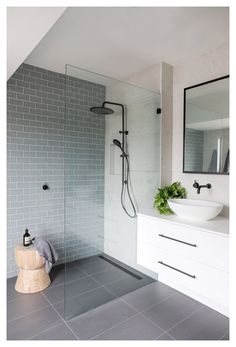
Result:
[{"x": 175, "y": 190}]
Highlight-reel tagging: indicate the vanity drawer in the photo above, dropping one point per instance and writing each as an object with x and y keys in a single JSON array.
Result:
[
  {"x": 180, "y": 272},
  {"x": 204, "y": 247}
]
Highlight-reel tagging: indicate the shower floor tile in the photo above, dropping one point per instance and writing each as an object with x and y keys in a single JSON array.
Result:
[{"x": 108, "y": 300}]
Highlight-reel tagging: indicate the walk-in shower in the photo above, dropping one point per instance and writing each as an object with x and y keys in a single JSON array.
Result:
[
  {"x": 111, "y": 164},
  {"x": 125, "y": 171}
]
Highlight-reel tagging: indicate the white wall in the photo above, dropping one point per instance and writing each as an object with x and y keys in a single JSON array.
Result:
[{"x": 206, "y": 67}]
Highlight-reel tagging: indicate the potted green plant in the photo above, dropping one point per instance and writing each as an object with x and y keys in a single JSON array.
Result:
[{"x": 173, "y": 191}]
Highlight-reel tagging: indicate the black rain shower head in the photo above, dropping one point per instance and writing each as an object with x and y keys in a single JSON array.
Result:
[{"x": 101, "y": 110}]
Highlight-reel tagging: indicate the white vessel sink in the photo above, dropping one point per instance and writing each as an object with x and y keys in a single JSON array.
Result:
[{"x": 198, "y": 210}]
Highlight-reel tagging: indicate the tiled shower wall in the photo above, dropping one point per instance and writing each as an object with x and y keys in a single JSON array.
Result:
[{"x": 35, "y": 145}]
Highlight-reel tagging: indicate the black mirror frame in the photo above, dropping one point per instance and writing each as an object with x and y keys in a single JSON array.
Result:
[{"x": 184, "y": 123}]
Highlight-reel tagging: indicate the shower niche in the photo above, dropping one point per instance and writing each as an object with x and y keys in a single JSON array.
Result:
[{"x": 111, "y": 168}]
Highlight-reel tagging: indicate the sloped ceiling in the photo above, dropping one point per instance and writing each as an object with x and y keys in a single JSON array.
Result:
[
  {"x": 26, "y": 26},
  {"x": 121, "y": 41}
]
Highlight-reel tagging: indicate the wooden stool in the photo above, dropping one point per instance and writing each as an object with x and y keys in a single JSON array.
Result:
[{"x": 32, "y": 276}]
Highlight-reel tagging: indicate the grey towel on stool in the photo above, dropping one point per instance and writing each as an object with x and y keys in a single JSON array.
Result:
[{"x": 46, "y": 250}]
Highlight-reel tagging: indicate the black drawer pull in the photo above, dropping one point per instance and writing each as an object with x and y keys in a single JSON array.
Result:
[
  {"x": 171, "y": 238},
  {"x": 174, "y": 268}
]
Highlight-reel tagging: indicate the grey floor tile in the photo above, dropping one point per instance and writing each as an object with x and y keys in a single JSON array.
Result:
[
  {"x": 58, "y": 274},
  {"x": 148, "y": 295},
  {"x": 57, "y": 293},
  {"x": 206, "y": 324},
  {"x": 127, "y": 284},
  {"x": 165, "y": 336},
  {"x": 109, "y": 276},
  {"x": 58, "y": 332},
  {"x": 96, "y": 321},
  {"x": 96, "y": 266},
  {"x": 74, "y": 273},
  {"x": 27, "y": 304},
  {"x": 135, "y": 328},
  {"x": 60, "y": 308},
  {"x": 12, "y": 294},
  {"x": 32, "y": 324},
  {"x": 171, "y": 311},
  {"x": 84, "y": 261},
  {"x": 84, "y": 302}
]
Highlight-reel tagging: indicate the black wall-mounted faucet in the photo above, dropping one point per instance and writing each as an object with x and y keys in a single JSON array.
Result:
[{"x": 198, "y": 187}]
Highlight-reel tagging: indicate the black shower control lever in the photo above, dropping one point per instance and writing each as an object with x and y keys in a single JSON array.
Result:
[
  {"x": 199, "y": 187},
  {"x": 124, "y": 132}
]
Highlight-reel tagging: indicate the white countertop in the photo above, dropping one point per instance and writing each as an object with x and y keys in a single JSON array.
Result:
[{"x": 219, "y": 225}]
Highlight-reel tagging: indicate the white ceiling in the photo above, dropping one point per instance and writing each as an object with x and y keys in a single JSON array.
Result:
[
  {"x": 121, "y": 41},
  {"x": 26, "y": 26}
]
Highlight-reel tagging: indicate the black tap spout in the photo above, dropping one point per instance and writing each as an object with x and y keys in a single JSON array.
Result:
[{"x": 199, "y": 187}]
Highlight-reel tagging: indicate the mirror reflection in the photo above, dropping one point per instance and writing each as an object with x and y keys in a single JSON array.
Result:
[{"x": 206, "y": 127}]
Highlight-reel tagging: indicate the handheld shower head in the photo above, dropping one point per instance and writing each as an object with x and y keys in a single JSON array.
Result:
[{"x": 118, "y": 144}]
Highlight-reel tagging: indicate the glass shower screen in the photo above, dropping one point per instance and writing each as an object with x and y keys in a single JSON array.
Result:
[{"x": 100, "y": 238}]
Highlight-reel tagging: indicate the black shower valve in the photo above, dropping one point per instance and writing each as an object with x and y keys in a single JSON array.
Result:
[{"x": 45, "y": 187}]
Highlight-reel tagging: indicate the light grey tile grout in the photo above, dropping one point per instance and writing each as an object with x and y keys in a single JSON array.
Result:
[
  {"x": 141, "y": 314},
  {"x": 94, "y": 273},
  {"x": 57, "y": 322},
  {"x": 165, "y": 333},
  {"x": 86, "y": 275},
  {"x": 21, "y": 298},
  {"x": 137, "y": 313},
  {"x": 62, "y": 283},
  {"x": 120, "y": 298},
  {"x": 116, "y": 298},
  {"x": 107, "y": 289},
  {"x": 188, "y": 316},
  {"x": 89, "y": 262},
  {"x": 152, "y": 322},
  {"x": 25, "y": 315},
  {"x": 121, "y": 278},
  {"x": 104, "y": 286},
  {"x": 77, "y": 338},
  {"x": 43, "y": 331},
  {"x": 91, "y": 277},
  {"x": 121, "y": 322},
  {"x": 148, "y": 307},
  {"x": 74, "y": 296}
]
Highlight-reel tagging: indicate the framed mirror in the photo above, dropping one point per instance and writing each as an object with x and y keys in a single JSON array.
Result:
[{"x": 206, "y": 127}]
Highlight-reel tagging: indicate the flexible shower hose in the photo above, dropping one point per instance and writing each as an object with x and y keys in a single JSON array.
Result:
[{"x": 125, "y": 185}]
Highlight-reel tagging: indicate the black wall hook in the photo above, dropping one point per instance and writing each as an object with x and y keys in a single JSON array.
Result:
[{"x": 45, "y": 187}]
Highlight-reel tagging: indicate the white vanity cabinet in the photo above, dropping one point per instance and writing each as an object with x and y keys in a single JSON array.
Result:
[{"x": 191, "y": 259}]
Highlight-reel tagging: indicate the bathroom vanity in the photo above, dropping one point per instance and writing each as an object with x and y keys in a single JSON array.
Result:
[{"x": 192, "y": 257}]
